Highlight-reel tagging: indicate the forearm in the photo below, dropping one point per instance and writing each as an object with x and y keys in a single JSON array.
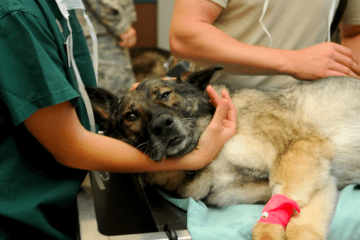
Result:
[
  {"x": 206, "y": 45},
  {"x": 102, "y": 153},
  {"x": 58, "y": 129},
  {"x": 350, "y": 38},
  {"x": 194, "y": 37}
]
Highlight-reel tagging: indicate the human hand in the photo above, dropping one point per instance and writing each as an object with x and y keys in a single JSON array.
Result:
[
  {"x": 128, "y": 39},
  {"x": 221, "y": 128},
  {"x": 323, "y": 60},
  {"x": 133, "y": 87},
  {"x": 223, "y": 124}
]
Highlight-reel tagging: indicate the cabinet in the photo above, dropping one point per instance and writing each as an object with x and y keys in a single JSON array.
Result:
[{"x": 146, "y": 25}]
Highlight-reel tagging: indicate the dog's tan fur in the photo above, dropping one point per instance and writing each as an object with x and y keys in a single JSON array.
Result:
[{"x": 301, "y": 142}]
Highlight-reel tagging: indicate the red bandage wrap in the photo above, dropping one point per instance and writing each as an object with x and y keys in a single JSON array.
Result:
[{"x": 279, "y": 210}]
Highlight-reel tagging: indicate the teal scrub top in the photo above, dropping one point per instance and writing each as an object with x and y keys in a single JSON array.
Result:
[{"x": 37, "y": 194}]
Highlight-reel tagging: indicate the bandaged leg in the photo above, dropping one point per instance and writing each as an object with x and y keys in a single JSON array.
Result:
[
  {"x": 315, "y": 218},
  {"x": 301, "y": 172},
  {"x": 275, "y": 217}
]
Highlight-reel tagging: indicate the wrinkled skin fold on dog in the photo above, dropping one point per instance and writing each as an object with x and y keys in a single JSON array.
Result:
[{"x": 302, "y": 142}]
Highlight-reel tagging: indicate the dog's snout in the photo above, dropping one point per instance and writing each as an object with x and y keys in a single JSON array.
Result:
[{"x": 162, "y": 125}]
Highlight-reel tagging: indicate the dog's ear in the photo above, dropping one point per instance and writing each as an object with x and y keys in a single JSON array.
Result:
[
  {"x": 102, "y": 102},
  {"x": 199, "y": 79}
]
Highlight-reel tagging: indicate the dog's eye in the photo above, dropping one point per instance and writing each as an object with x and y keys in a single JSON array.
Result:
[
  {"x": 131, "y": 116},
  {"x": 164, "y": 96}
]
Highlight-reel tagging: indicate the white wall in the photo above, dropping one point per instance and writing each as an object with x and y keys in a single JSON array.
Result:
[{"x": 164, "y": 13}]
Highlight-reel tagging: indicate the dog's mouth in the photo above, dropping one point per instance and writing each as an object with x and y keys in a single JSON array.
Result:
[
  {"x": 175, "y": 146},
  {"x": 178, "y": 139},
  {"x": 175, "y": 141},
  {"x": 180, "y": 145}
]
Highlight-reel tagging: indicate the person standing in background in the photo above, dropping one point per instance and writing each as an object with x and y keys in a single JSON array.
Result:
[
  {"x": 112, "y": 20},
  {"x": 264, "y": 44}
]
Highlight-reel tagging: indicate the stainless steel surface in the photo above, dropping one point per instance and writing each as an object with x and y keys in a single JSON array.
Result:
[{"x": 88, "y": 227}]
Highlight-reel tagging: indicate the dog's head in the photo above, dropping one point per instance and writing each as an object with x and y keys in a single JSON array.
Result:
[{"x": 162, "y": 118}]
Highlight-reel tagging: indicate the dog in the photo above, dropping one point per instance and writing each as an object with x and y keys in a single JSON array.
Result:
[
  {"x": 150, "y": 62},
  {"x": 302, "y": 142}
]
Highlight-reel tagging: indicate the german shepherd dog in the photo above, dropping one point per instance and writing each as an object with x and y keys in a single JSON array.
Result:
[{"x": 302, "y": 142}]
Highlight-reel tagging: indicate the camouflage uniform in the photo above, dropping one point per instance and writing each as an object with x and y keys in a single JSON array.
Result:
[{"x": 110, "y": 19}]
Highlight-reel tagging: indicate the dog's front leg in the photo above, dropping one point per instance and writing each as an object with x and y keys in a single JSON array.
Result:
[
  {"x": 315, "y": 218},
  {"x": 299, "y": 180}
]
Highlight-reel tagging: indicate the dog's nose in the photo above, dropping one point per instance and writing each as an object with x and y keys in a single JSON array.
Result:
[{"x": 162, "y": 125}]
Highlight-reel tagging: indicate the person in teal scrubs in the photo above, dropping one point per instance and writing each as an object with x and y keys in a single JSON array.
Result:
[{"x": 46, "y": 147}]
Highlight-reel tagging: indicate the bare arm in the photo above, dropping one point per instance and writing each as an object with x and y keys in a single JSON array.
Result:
[
  {"x": 58, "y": 129},
  {"x": 350, "y": 38},
  {"x": 193, "y": 37}
]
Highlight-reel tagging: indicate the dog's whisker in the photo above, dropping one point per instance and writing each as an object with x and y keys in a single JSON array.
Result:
[
  {"x": 144, "y": 155},
  {"x": 146, "y": 150},
  {"x": 149, "y": 152},
  {"x": 189, "y": 120},
  {"x": 142, "y": 145},
  {"x": 152, "y": 155}
]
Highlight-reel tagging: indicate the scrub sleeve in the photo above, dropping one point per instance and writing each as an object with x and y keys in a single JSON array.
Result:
[{"x": 37, "y": 194}]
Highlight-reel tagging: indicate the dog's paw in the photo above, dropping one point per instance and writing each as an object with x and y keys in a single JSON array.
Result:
[
  {"x": 266, "y": 231},
  {"x": 300, "y": 232}
]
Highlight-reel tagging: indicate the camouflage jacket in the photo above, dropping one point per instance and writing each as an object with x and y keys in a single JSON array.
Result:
[{"x": 115, "y": 16}]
